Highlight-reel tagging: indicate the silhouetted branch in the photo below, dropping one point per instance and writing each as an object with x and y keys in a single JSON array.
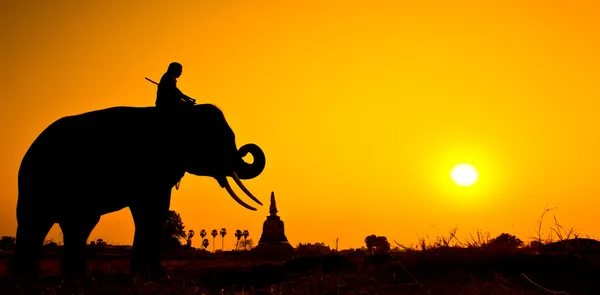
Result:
[
  {"x": 540, "y": 222},
  {"x": 541, "y": 287}
]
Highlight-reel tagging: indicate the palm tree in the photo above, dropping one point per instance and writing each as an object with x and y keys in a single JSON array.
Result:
[
  {"x": 205, "y": 243},
  {"x": 214, "y": 234},
  {"x": 238, "y": 236},
  {"x": 203, "y": 234},
  {"x": 223, "y": 232},
  {"x": 189, "y": 237},
  {"x": 245, "y": 234}
]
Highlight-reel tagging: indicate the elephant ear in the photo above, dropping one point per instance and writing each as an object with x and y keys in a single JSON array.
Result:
[
  {"x": 190, "y": 133},
  {"x": 195, "y": 126},
  {"x": 202, "y": 122}
]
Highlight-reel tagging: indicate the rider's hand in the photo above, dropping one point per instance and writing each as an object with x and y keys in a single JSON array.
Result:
[{"x": 189, "y": 100}]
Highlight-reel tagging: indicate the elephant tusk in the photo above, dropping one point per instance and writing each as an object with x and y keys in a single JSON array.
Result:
[
  {"x": 241, "y": 185},
  {"x": 235, "y": 197}
]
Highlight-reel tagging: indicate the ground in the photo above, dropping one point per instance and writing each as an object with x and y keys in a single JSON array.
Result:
[{"x": 445, "y": 270}]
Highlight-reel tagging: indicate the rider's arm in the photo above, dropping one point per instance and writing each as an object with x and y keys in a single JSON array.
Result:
[
  {"x": 170, "y": 84},
  {"x": 179, "y": 93},
  {"x": 187, "y": 97}
]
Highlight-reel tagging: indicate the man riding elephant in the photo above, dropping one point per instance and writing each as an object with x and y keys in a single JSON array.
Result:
[{"x": 168, "y": 96}]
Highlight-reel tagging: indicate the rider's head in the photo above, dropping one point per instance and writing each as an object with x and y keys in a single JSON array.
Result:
[{"x": 175, "y": 69}]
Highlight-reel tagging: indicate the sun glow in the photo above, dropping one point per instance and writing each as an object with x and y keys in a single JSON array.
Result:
[{"x": 464, "y": 174}]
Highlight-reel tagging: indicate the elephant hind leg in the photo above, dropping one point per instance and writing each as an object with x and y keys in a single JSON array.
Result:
[
  {"x": 31, "y": 232},
  {"x": 76, "y": 232}
]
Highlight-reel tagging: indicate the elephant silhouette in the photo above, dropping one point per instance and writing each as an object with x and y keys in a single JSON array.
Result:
[{"x": 87, "y": 165}]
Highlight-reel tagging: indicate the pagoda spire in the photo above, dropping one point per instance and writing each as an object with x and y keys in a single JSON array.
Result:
[
  {"x": 273, "y": 240},
  {"x": 273, "y": 208}
]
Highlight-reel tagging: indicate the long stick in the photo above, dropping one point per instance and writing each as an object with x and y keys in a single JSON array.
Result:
[{"x": 151, "y": 81}]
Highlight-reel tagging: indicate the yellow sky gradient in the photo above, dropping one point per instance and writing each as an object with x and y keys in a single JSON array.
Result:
[{"x": 362, "y": 108}]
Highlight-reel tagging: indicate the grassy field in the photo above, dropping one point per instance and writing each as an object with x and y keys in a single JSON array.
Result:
[{"x": 559, "y": 268}]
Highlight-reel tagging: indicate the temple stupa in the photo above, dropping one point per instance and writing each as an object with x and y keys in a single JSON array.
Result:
[{"x": 273, "y": 240}]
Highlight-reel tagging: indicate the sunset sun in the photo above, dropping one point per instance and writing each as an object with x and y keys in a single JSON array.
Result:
[{"x": 464, "y": 174}]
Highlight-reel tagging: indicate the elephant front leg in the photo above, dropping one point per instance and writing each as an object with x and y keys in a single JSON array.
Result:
[
  {"x": 76, "y": 231},
  {"x": 149, "y": 217}
]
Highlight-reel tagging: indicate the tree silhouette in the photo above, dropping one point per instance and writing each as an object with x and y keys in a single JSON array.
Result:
[
  {"x": 505, "y": 240},
  {"x": 174, "y": 229},
  {"x": 383, "y": 246},
  {"x": 100, "y": 243},
  {"x": 377, "y": 244},
  {"x": 205, "y": 243},
  {"x": 203, "y": 234},
  {"x": 247, "y": 243},
  {"x": 245, "y": 233},
  {"x": 223, "y": 232},
  {"x": 7, "y": 242},
  {"x": 370, "y": 242},
  {"x": 238, "y": 236},
  {"x": 537, "y": 245},
  {"x": 190, "y": 235},
  {"x": 214, "y": 234}
]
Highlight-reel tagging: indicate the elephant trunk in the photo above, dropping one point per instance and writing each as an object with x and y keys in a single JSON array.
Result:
[
  {"x": 243, "y": 170},
  {"x": 248, "y": 171}
]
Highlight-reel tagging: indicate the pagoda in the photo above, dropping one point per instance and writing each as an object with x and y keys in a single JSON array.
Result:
[{"x": 273, "y": 240}]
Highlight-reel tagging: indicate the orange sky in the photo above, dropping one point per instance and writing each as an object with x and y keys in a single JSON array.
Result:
[{"x": 362, "y": 108}]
